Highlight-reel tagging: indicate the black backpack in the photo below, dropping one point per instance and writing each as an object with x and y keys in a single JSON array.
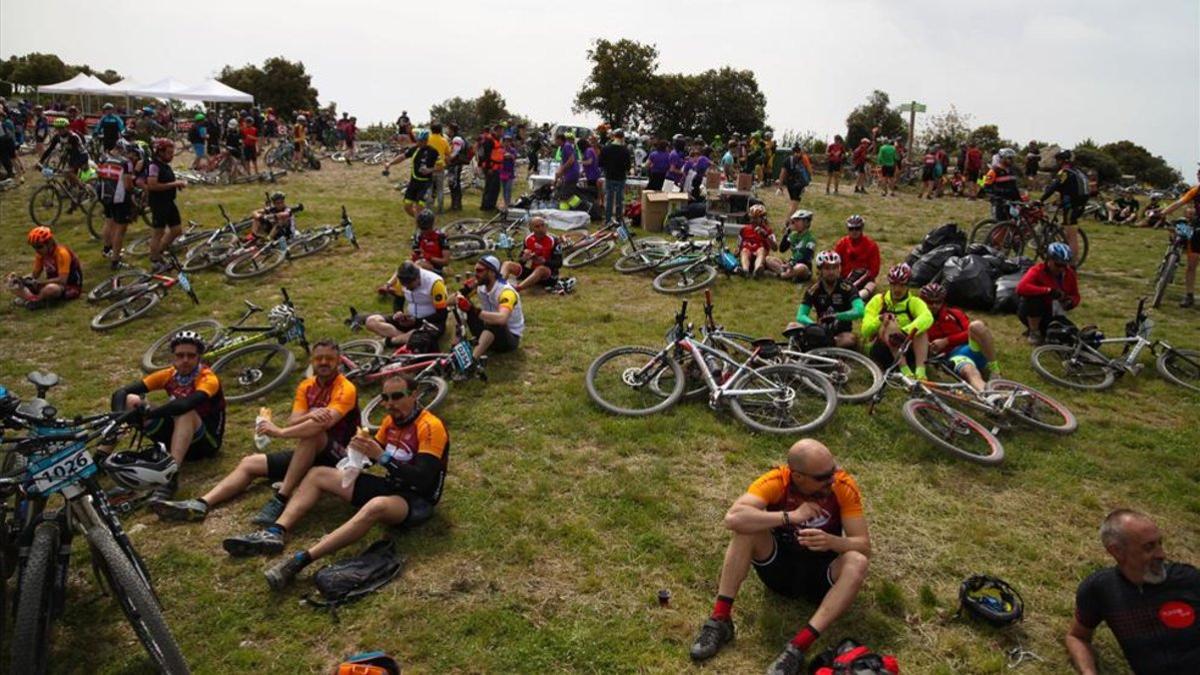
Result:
[
  {"x": 193, "y": 135},
  {"x": 348, "y": 580}
]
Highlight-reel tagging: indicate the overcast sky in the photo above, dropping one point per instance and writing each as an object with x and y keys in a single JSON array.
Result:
[{"x": 1061, "y": 70}]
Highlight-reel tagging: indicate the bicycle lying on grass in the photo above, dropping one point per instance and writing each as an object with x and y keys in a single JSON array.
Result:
[
  {"x": 1080, "y": 363},
  {"x": 932, "y": 410},
  {"x": 780, "y": 398},
  {"x": 134, "y": 292}
]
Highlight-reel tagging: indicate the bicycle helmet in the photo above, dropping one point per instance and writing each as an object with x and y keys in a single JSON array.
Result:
[
  {"x": 991, "y": 599},
  {"x": 933, "y": 292},
  {"x": 39, "y": 235},
  {"x": 1064, "y": 155},
  {"x": 161, "y": 144},
  {"x": 1007, "y": 153},
  {"x": 107, "y": 106},
  {"x": 900, "y": 274},
  {"x": 828, "y": 258},
  {"x": 199, "y": 117},
  {"x": 801, "y": 214},
  {"x": 278, "y": 196},
  {"x": 188, "y": 337},
  {"x": 280, "y": 314},
  {"x": 231, "y": 124},
  {"x": 758, "y": 211},
  {"x": 148, "y": 110},
  {"x": 60, "y": 123},
  {"x": 301, "y": 118},
  {"x": 143, "y": 469},
  {"x": 855, "y": 222},
  {"x": 425, "y": 219},
  {"x": 1058, "y": 251},
  {"x": 422, "y": 134}
]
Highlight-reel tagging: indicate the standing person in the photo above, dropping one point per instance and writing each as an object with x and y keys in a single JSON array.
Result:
[
  {"x": 676, "y": 159},
  {"x": 658, "y": 163},
  {"x": 973, "y": 166},
  {"x": 835, "y": 157},
  {"x": 928, "y": 173},
  {"x": 8, "y": 143},
  {"x": 197, "y": 135},
  {"x": 491, "y": 157},
  {"x": 351, "y": 133},
  {"x": 1046, "y": 290},
  {"x": 508, "y": 169},
  {"x": 1149, "y": 603},
  {"x": 615, "y": 161},
  {"x": 460, "y": 157},
  {"x": 801, "y": 528},
  {"x": 729, "y": 162},
  {"x": 1072, "y": 186},
  {"x": 233, "y": 147},
  {"x": 859, "y": 159},
  {"x": 299, "y": 139},
  {"x": 41, "y": 130},
  {"x": 438, "y": 142},
  {"x": 795, "y": 175},
  {"x": 424, "y": 161},
  {"x": 115, "y": 175},
  {"x": 64, "y": 275},
  {"x": 697, "y": 171},
  {"x": 161, "y": 188},
  {"x": 212, "y": 135},
  {"x": 249, "y": 134},
  {"x": 1033, "y": 158},
  {"x": 567, "y": 176},
  {"x": 534, "y": 145},
  {"x": 887, "y": 167},
  {"x": 76, "y": 122},
  {"x": 941, "y": 167},
  {"x": 1000, "y": 183},
  {"x": 109, "y": 128},
  {"x": 859, "y": 256},
  {"x": 1191, "y": 197},
  {"x": 590, "y": 163}
]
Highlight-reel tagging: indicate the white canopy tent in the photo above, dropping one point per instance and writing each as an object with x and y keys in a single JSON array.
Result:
[
  {"x": 164, "y": 88},
  {"x": 213, "y": 91},
  {"x": 80, "y": 84},
  {"x": 126, "y": 87}
]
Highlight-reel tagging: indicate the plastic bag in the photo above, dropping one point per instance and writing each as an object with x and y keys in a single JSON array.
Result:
[
  {"x": 944, "y": 235},
  {"x": 968, "y": 283},
  {"x": 928, "y": 266}
]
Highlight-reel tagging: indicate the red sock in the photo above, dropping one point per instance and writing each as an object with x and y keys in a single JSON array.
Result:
[
  {"x": 805, "y": 637},
  {"x": 722, "y": 608}
]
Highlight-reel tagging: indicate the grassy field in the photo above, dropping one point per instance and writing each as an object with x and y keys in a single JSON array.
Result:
[{"x": 560, "y": 523}]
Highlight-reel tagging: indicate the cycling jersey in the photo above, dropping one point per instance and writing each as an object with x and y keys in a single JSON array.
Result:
[
  {"x": 441, "y": 146},
  {"x": 110, "y": 128},
  {"x": 911, "y": 312},
  {"x": 429, "y": 244},
  {"x": 1040, "y": 281},
  {"x": 177, "y": 386},
  {"x": 1191, "y": 197},
  {"x": 842, "y": 301},
  {"x": 859, "y": 156},
  {"x": 61, "y": 262},
  {"x": 502, "y": 294},
  {"x": 835, "y": 153},
  {"x": 1072, "y": 184},
  {"x": 233, "y": 142},
  {"x": 950, "y": 323},
  {"x": 299, "y": 131},
  {"x": 858, "y": 254},
  {"x": 73, "y": 146},
  {"x": 803, "y": 246},
  {"x": 887, "y": 155},
  {"x": 843, "y": 503},
  {"x": 546, "y": 249},
  {"x": 416, "y": 454},
  {"x": 423, "y": 158},
  {"x": 340, "y": 395},
  {"x": 429, "y": 299},
  {"x": 111, "y": 172},
  {"x": 752, "y": 237},
  {"x": 1001, "y": 183},
  {"x": 165, "y": 174}
]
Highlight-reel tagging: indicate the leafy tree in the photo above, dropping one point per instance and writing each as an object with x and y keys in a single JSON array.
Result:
[
  {"x": 732, "y": 102},
  {"x": 1136, "y": 160},
  {"x": 1107, "y": 169},
  {"x": 673, "y": 106},
  {"x": 876, "y": 112},
  {"x": 491, "y": 108},
  {"x": 279, "y": 83},
  {"x": 472, "y": 114},
  {"x": 949, "y": 130},
  {"x": 621, "y": 82},
  {"x": 987, "y": 137}
]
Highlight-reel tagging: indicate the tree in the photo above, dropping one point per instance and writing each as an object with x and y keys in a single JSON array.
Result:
[
  {"x": 949, "y": 130},
  {"x": 1089, "y": 157},
  {"x": 732, "y": 102},
  {"x": 673, "y": 106},
  {"x": 876, "y": 112},
  {"x": 280, "y": 84},
  {"x": 473, "y": 114},
  {"x": 1136, "y": 160},
  {"x": 34, "y": 69},
  {"x": 491, "y": 108},
  {"x": 621, "y": 82},
  {"x": 987, "y": 137}
]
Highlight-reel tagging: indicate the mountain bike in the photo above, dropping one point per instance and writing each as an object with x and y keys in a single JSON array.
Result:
[
  {"x": 700, "y": 272},
  {"x": 136, "y": 292},
  {"x": 1027, "y": 228},
  {"x": 781, "y": 398},
  {"x": 1179, "y": 238},
  {"x": 473, "y": 237},
  {"x": 216, "y": 246},
  {"x": 191, "y": 234},
  {"x": 47, "y": 201},
  {"x": 657, "y": 253},
  {"x": 250, "y": 360},
  {"x": 1081, "y": 364},
  {"x": 308, "y": 242},
  {"x": 584, "y": 248},
  {"x": 57, "y": 461}
]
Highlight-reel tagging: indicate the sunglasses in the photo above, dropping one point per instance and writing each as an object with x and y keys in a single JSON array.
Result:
[
  {"x": 821, "y": 477},
  {"x": 395, "y": 395},
  {"x": 854, "y": 229}
]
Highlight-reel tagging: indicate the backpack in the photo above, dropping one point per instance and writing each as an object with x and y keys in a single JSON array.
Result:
[
  {"x": 368, "y": 663},
  {"x": 852, "y": 658},
  {"x": 348, "y": 580},
  {"x": 194, "y": 135},
  {"x": 797, "y": 172},
  {"x": 1079, "y": 180}
]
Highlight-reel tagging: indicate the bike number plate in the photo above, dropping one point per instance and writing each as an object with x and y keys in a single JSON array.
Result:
[
  {"x": 60, "y": 470},
  {"x": 1014, "y": 211},
  {"x": 185, "y": 282},
  {"x": 462, "y": 355},
  {"x": 623, "y": 233}
]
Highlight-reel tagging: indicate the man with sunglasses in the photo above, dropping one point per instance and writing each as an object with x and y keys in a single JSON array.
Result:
[
  {"x": 500, "y": 321},
  {"x": 860, "y": 256},
  {"x": 192, "y": 422},
  {"x": 324, "y": 418},
  {"x": 801, "y": 528},
  {"x": 63, "y": 274},
  {"x": 412, "y": 447}
]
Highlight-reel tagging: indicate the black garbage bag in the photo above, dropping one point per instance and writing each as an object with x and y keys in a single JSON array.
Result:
[
  {"x": 944, "y": 235},
  {"x": 968, "y": 282},
  {"x": 927, "y": 267},
  {"x": 1006, "y": 286}
]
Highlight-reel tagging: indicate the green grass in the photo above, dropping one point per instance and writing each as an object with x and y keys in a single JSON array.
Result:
[{"x": 560, "y": 523}]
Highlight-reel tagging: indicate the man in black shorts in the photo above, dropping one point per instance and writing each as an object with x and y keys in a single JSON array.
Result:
[
  {"x": 324, "y": 418},
  {"x": 413, "y": 448},
  {"x": 115, "y": 174},
  {"x": 161, "y": 187},
  {"x": 801, "y": 527},
  {"x": 1150, "y": 605},
  {"x": 1072, "y": 185}
]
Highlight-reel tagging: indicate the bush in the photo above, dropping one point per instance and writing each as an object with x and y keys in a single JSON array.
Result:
[{"x": 1107, "y": 169}]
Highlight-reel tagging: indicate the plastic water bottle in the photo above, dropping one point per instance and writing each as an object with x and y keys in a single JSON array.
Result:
[
  {"x": 351, "y": 465},
  {"x": 505, "y": 242},
  {"x": 260, "y": 441}
]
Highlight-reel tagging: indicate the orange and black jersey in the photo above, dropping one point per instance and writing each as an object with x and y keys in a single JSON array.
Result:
[
  {"x": 416, "y": 454},
  {"x": 198, "y": 391},
  {"x": 340, "y": 395},
  {"x": 61, "y": 262}
]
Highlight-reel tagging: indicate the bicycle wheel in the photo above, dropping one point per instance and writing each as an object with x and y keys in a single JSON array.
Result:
[
  {"x": 1011, "y": 239},
  {"x": 116, "y": 287},
  {"x": 124, "y": 311},
  {"x": 953, "y": 431},
  {"x": 855, "y": 377},
  {"x": 464, "y": 226},
  {"x": 980, "y": 229},
  {"x": 1166, "y": 271},
  {"x": 306, "y": 245},
  {"x": 45, "y": 205},
  {"x": 139, "y": 247},
  {"x": 256, "y": 264},
  {"x": 641, "y": 260},
  {"x": 1060, "y": 365},
  {"x": 158, "y": 355},
  {"x": 137, "y": 601},
  {"x": 465, "y": 246},
  {"x": 355, "y": 354},
  {"x": 90, "y": 212},
  {"x": 1037, "y": 409},
  {"x": 1057, "y": 234},
  {"x": 254, "y": 370},
  {"x": 210, "y": 253},
  {"x": 792, "y": 400},
  {"x": 589, "y": 255},
  {"x": 628, "y": 381},
  {"x": 33, "y": 622},
  {"x": 685, "y": 279},
  {"x": 1181, "y": 366},
  {"x": 431, "y": 391}
]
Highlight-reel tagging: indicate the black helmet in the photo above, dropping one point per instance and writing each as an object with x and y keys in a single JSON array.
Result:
[
  {"x": 425, "y": 219},
  {"x": 278, "y": 196},
  {"x": 408, "y": 272},
  {"x": 991, "y": 599},
  {"x": 1064, "y": 155}
]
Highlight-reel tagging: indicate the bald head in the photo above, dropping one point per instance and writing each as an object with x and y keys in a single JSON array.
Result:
[{"x": 809, "y": 456}]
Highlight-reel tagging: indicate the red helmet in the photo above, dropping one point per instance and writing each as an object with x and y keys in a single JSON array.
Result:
[
  {"x": 933, "y": 292},
  {"x": 900, "y": 274},
  {"x": 161, "y": 144},
  {"x": 40, "y": 235}
]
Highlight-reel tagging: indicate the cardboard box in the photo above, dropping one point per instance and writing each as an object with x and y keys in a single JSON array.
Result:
[
  {"x": 656, "y": 206},
  {"x": 745, "y": 181},
  {"x": 712, "y": 180}
]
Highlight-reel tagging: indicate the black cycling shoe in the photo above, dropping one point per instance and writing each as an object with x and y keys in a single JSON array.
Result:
[
  {"x": 789, "y": 662},
  {"x": 263, "y": 542},
  {"x": 714, "y": 633}
]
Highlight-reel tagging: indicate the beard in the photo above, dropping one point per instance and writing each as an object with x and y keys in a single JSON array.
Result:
[{"x": 1156, "y": 572}]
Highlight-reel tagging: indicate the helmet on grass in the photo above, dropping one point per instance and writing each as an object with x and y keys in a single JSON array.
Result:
[
  {"x": 280, "y": 314},
  {"x": 143, "y": 469},
  {"x": 991, "y": 599}
]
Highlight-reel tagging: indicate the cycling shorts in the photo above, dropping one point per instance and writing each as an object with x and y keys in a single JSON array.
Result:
[
  {"x": 1193, "y": 246},
  {"x": 797, "y": 574},
  {"x": 415, "y": 192},
  {"x": 969, "y": 353},
  {"x": 165, "y": 215},
  {"x": 121, "y": 214},
  {"x": 369, "y": 486},
  {"x": 888, "y": 171},
  {"x": 205, "y": 442},
  {"x": 278, "y": 462}
]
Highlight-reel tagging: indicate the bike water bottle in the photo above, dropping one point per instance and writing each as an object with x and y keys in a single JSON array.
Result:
[{"x": 505, "y": 241}]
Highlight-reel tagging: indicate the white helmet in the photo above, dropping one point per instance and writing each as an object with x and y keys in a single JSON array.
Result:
[
  {"x": 281, "y": 314},
  {"x": 232, "y": 124},
  {"x": 828, "y": 258},
  {"x": 143, "y": 469},
  {"x": 301, "y": 118},
  {"x": 801, "y": 214}
]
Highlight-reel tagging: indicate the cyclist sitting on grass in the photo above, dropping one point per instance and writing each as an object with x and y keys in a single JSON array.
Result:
[
  {"x": 324, "y": 417},
  {"x": 63, "y": 274},
  {"x": 274, "y": 221},
  {"x": 501, "y": 320},
  {"x": 755, "y": 240},
  {"x": 798, "y": 239},
  {"x": 424, "y": 298},
  {"x": 413, "y": 448},
  {"x": 860, "y": 256},
  {"x": 74, "y": 149},
  {"x": 540, "y": 259},
  {"x": 967, "y": 344},
  {"x": 836, "y": 304},
  {"x": 1072, "y": 185},
  {"x": 1191, "y": 197},
  {"x": 1047, "y": 289},
  {"x": 429, "y": 248},
  {"x": 192, "y": 422},
  {"x": 894, "y": 316}
]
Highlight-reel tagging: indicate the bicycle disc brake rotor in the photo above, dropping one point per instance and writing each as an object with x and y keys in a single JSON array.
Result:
[
  {"x": 632, "y": 377},
  {"x": 250, "y": 376}
]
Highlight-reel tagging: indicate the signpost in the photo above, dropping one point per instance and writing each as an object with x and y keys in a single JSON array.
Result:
[{"x": 912, "y": 109}]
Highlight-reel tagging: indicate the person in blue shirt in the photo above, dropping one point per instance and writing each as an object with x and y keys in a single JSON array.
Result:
[{"x": 109, "y": 128}]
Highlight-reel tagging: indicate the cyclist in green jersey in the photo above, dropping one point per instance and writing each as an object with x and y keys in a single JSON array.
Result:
[
  {"x": 894, "y": 316},
  {"x": 798, "y": 239}
]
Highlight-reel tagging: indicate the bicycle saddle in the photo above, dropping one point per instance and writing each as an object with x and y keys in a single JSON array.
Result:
[
  {"x": 252, "y": 307},
  {"x": 794, "y": 333},
  {"x": 767, "y": 347},
  {"x": 42, "y": 380}
]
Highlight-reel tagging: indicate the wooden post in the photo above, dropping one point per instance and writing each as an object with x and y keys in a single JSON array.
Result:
[{"x": 912, "y": 125}]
